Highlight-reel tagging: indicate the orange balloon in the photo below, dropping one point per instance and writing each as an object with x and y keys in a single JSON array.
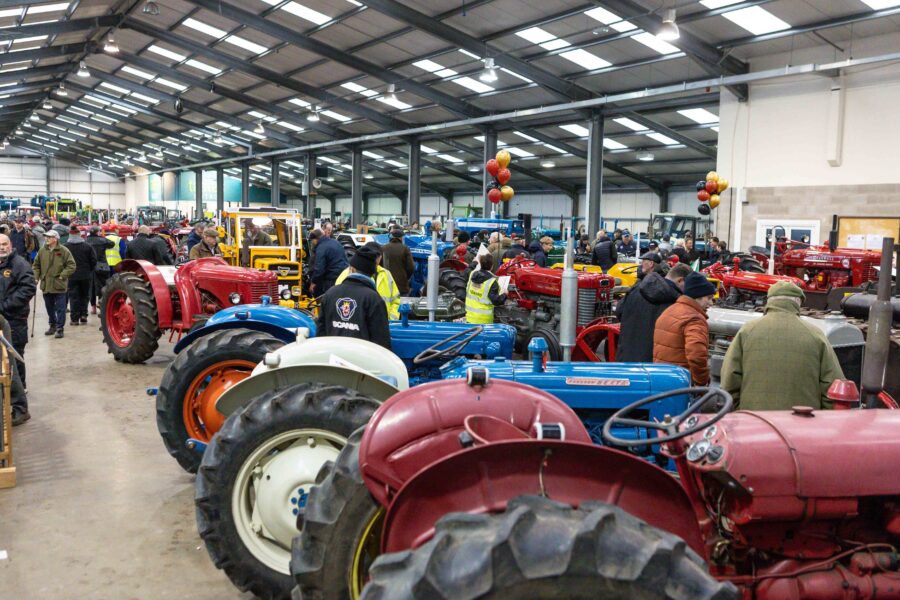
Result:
[
  {"x": 714, "y": 201},
  {"x": 503, "y": 158},
  {"x": 712, "y": 176},
  {"x": 506, "y": 193},
  {"x": 503, "y": 176},
  {"x": 722, "y": 184}
]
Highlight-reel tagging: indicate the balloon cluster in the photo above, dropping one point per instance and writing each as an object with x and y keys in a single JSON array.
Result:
[
  {"x": 497, "y": 190},
  {"x": 708, "y": 191}
]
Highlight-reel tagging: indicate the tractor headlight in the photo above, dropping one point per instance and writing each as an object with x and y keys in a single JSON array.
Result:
[
  {"x": 286, "y": 294},
  {"x": 234, "y": 298},
  {"x": 296, "y": 291}
]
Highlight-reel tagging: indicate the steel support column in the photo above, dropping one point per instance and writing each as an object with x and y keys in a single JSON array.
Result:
[
  {"x": 414, "y": 188},
  {"x": 594, "y": 192},
  {"x": 356, "y": 186},
  {"x": 275, "y": 183},
  {"x": 490, "y": 150},
  {"x": 245, "y": 183},
  {"x": 220, "y": 190},
  {"x": 198, "y": 194},
  {"x": 310, "y": 163}
]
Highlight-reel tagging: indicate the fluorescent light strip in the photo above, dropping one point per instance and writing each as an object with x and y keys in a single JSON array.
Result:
[
  {"x": 699, "y": 115},
  {"x": 138, "y": 73},
  {"x": 608, "y": 18},
  {"x": 304, "y": 12},
  {"x": 662, "y": 139},
  {"x": 574, "y": 128},
  {"x": 372, "y": 155},
  {"x": 336, "y": 116},
  {"x": 449, "y": 158},
  {"x": 654, "y": 43},
  {"x": 396, "y": 163},
  {"x": 519, "y": 152},
  {"x": 756, "y": 20},
  {"x": 632, "y": 125},
  {"x": 585, "y": 59},
  {"x": 613, "y": 144},
  {"x": 473, "y": 84},
  {"x": 290, "y": 126}
]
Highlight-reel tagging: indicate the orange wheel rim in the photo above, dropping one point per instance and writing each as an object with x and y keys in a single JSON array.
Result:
[{"x": 201, "y": 419}]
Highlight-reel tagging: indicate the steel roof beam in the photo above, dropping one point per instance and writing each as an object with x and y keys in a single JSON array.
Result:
[
  {"x": 34, "y": 72},
  {"x": 57, "y": 27},
  {"x": 672, "y": 133},
  {"x": 39, "y": 53}
]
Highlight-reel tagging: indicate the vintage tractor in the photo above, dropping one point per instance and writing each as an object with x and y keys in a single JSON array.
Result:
[
  {"x": 743, "y": 289},
  {"x": 284, "y": 257},
  {"x": 142, "y": 300}
]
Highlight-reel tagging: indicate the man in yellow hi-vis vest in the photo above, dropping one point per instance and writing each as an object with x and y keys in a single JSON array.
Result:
[
  {"x": 384, "y": 283},
  {"x": 483, "y": 293}
]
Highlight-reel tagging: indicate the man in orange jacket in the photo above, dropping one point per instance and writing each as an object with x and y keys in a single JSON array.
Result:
[{"x": 681, "y": 336}]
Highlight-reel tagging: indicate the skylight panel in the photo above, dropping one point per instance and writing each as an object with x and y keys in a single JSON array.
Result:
[
  {"x": 445, "y": 73},
  {"x": 427, "y": 149},
  {"x": 290, "y": 126},
  {"x": 470, "y": 54},
  {"x": 756, "y": 20},
  {"x": 11, "y": 12},
  {"x": 170, "y": 84},
  {"x": 103, "y": 119},
  {"x": 79, "y": 111},
  {"x": 536, "y": 35},
  {"x": 519, "y": 152},
  {"x": 55, "y": 126},
  {"x": 516, "y": 75},
  {"x": 13, "y": 69},
  {"x": 45, "y": 8},
  {"x": 336, "y": 116},
  {"x": 521, "y": 135},
  {"x": 123, "y": 109},
  {"x": 879, "y": 4},
  {"x": 138, "y": 72},
  {"x": 474, "y": 85},
  {"x": 699, "y": 115},
  {"x": 353, "y": 87},
  {"x": 721, "y": 3},
  {"x": 115, "y": 88},
  {"x": 304, "y": 12},
  {"x": 67, "y": 120},
  {"x": 555, "y": 44},
  {"x": 613, "y": 144},
  {"x": 554, "y": 148},
  {"x": 662, "y": 139},
  {"x": 144, "y": 98},
  {"x": 395, "y": 102},
  {"x": 450, "y": 158},
  {"x": 68, "y": 138},
  {"x": 653, "y": 42},
  {"x": 299, "y": 102},
  {"x": 327, "y": 159},
  {"x": 78, "y": 133},
  {"x": 632, "y": 125},
  {"x": 371, "y": 154},
  {"x": 246, "y": 44},
  {"x": 167, "y": 53},
  {"x": 396, "y": 163},
  {"x": 613, "y": 20},
  {"x": 716, "y": 128},
  {"x": 585, "y": 59},
  {"x": 34, "y": 38},
  {"x": 203, "y": 66},
  {"x": 574, "y": 128},
  {"x": 91, "y": 127},
  {"x": 428, "y": 65},
  {"x": 204, "y": 28}
]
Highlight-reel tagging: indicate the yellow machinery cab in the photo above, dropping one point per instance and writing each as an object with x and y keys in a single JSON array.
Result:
[{"x": 284, "y": 256}]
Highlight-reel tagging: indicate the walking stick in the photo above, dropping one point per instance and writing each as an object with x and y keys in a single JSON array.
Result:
[{"x": 33, "y": 313}]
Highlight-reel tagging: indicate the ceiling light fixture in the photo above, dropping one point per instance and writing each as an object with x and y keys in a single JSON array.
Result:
[
  {"x": 151, "y": 8},
  {"x": 668, "y": 31},
  {"x": 313, "y": 116},
  {"x": 489, "y": 75},
  {"x": 19, "y": 131},
  {"x": 47, "y": 105},
  {"x": 369, "y": 176},
  {"x": 474, "y": 167},
  {"x": 61, "y": 90},
  {"x": 548, "y": 164},
  {"x": 83, "y": 70},
  {"x": 259, "y": 128},
  {"x": 644, "y": 155},
  {"x": 111, "y": 45},
  {"x": 391, "y": 93},
  {"x": 34, "y": 117},
  {"x": 218, "y": 140}
]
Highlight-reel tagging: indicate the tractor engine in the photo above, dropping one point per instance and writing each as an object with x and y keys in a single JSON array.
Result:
[
  {"x": 822, "y": 270},
  {"x": 205, "y": 286}
]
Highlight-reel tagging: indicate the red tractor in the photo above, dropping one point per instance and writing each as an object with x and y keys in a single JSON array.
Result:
[
  {"x": 143, "y": 300},
  {"x": 744, "y": 288}
]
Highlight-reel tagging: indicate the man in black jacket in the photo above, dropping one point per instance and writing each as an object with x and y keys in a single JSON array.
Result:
[
  {"x": 143, "y": 247},
  {"x": 640, "y": 309},
  {"x": 101, "y": 273},
  {"x": 330, "y": 260},
  {"x": 354, "y": 308},
  {"x": 80, "y": 280},
  {"x": 604, "y": 254},
  {"x": 397, "y": 258},
  {"x": 17, "y": 288}
]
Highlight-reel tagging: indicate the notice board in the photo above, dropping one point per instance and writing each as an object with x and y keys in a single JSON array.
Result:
[{"x": 867, "y": 232}]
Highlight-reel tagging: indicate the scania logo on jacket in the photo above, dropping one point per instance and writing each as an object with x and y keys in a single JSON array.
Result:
[{"x": 346, "y": 307}]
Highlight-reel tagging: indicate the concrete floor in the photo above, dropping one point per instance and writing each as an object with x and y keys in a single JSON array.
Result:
[{"x": 100, "y": 509}]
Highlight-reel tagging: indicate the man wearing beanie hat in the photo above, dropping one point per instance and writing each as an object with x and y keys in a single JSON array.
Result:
[
  {"x": 384, "y": 283},
  {"x": 354, "y": 308},
  {"x": 681, "y": 336},
  {"x": 778, "y": 361}
]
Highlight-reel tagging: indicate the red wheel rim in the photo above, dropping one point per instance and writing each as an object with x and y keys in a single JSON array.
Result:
[
  {"x": 120, "y": 318},
  {"x": 201, "y": 419}
]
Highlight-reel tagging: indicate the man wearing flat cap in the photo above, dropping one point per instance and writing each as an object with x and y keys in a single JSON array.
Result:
[
  {"x": 778, "y": 362},
  {"x": 354, "y": 308}
]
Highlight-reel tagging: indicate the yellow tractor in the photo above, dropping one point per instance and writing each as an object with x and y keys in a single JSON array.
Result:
[{"x": 268, "y": 239}]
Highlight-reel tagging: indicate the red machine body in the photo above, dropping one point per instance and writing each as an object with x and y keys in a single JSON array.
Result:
[
  {"x": 822, "y": 269},
  {"x": 744, "y": 287},
  {"x": 796, "y": 504}
]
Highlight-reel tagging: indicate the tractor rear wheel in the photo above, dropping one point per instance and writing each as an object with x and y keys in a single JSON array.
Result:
[
  {"x": 454, "y": 282},
  {"x": 256, "y": 474},
  {"x": 554, "y": 348},
  {"x": 540, "y": 549},
  {"x": 129, "y": 319},
  {"x": 186, "y": 403},
  {"x": 341, "y": 531}
]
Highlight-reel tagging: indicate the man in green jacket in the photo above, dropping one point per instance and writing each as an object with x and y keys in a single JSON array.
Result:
[
  {"x": 778, "y": 361},
  {"x": 53, "y": 266}
]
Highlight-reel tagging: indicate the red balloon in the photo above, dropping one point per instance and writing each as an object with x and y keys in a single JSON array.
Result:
[
  {"x": 492, "y": 167},
  {"x": 703, "y": 195},
  {"x": 495, "y": 196},
  {"x": 503, "y": 176},
  {"x": 712, "y": 187}
]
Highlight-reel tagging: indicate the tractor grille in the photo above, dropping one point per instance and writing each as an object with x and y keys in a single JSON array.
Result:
[
  {"x": 587, "y": 298},
  {"x": 258, "y": 290},
  {"x": 868, "y": 274}
]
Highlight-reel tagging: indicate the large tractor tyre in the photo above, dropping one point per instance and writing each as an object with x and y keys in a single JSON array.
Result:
[
  {"x": 455, "y": 282},
  {"x": 341, "y": 532},
  {"x": 129, "y": 319},
  {"x": 256, "y": 473},
  {"x": 540, "y": 549},
  {"x": 554, "y": 347},
  {"x": 186, "y": 403}
]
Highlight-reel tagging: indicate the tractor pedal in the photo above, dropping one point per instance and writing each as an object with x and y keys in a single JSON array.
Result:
[{"x": 152, "y": 391}]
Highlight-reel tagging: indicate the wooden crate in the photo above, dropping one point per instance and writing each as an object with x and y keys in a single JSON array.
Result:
[{"x": 7, "y": 466}]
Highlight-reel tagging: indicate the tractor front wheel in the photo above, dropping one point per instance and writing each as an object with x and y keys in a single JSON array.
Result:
[
  {"x": 256, "y": 474},
  {"x": 186, "y": 403},
  {"x": 540, "y": 549},
  {"x": 129, "y": 319},
  {"x": 341, "y": 532}
]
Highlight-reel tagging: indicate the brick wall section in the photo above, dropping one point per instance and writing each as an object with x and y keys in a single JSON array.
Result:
[{"x": 822, "y": 202}]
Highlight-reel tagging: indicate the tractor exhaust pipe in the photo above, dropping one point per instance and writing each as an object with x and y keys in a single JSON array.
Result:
[
  {"x": 568, "y": 303},
  {"x": 878, "y": 339},
  {"x": 434, "y": 264}
]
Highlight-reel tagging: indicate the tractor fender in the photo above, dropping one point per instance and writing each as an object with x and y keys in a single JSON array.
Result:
[
  {"x": 160, "y": 278},
  {"x": 278, "y": 321}
]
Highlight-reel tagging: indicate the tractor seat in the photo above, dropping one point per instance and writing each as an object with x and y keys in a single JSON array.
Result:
[{"x": 763, "y": 250}]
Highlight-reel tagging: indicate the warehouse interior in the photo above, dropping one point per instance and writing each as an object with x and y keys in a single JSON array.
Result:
[{"x": 384, "y": 114}]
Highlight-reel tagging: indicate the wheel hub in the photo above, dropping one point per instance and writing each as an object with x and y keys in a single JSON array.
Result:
[
  {"x": 120, "y": 319},
  {"x": 201, "y": 419}
]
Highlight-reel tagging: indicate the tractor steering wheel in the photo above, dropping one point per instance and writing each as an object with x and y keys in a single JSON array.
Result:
[
  {"x": 669, "y": 427},
  {"x": 432, "y": 353}
]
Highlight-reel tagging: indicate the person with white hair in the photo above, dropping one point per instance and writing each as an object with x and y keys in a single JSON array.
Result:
[{"x": 142, "y": 247}]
